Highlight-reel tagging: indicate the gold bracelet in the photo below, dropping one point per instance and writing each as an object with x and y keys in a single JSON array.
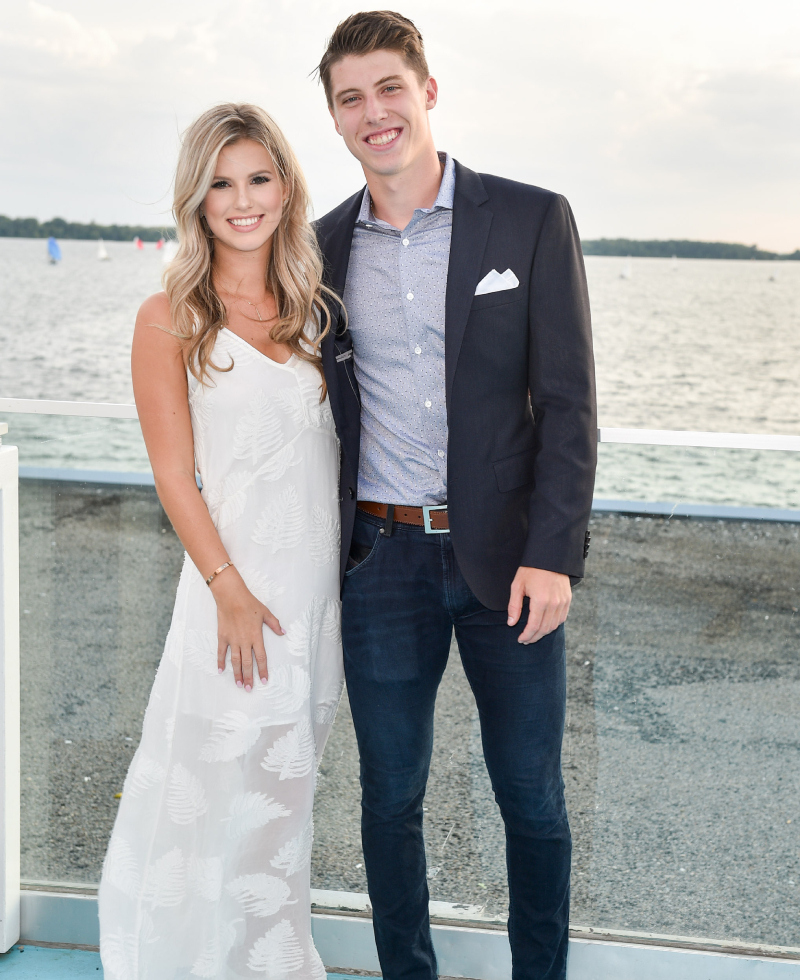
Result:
[{"x": 213, "y": 575}]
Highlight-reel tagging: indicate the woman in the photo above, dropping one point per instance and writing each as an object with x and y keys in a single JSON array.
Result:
[{"x": 207, "y": 868}]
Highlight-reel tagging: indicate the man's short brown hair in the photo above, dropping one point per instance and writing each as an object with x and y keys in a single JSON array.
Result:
[{"x": 374, "y": 30}]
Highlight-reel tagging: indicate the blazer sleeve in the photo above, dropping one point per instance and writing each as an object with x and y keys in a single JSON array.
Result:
[{"x": 562, "y": 389}]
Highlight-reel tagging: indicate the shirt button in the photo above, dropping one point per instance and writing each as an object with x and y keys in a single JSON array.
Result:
[
  {"x": 405, "y": 242},
  {"x": 441, "y": 453},
  {"x": 417, "y": 350},
  {"x": 427, "y": 403},
  {"x": 409, "y": 295}
]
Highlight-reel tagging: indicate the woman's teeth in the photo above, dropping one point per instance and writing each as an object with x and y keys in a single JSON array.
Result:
[{"x": 244, "y": 222}]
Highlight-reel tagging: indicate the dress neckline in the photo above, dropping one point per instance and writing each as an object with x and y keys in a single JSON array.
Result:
[{"x": 285, "y": 364}]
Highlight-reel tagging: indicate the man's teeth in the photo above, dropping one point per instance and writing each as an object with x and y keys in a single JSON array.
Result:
[
  {"x": 245, "y": 222},
  {"x": 383, "y": 138}
]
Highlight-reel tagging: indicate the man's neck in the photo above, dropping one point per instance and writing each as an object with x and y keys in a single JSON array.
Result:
[{"x": 395, "y": 197}]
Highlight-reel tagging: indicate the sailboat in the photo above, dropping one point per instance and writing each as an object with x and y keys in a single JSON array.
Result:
[
  {"x": 53, "y": 250},
  {"x": 138, "y": 243},
  {"x": 627, "y": 270},
  {"x": 159, "y": 244},
  {"x": 170, "y": 251},
  {"x": 102, "y": 252}
]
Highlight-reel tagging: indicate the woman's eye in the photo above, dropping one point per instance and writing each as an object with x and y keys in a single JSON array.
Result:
[
  {"x": 261, "y": 179},
  {"x": 219, "y": 184}
]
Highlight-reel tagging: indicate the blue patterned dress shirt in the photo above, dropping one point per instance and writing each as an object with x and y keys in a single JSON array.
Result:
[{"x": 395, "y": 300}]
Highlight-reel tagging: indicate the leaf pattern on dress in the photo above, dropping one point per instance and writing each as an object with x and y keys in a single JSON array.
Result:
[
  {"x": 204, "y": 876},
  {"x": 325, "y": 711},
  {"x": 164, "y": 883},
  {"x": 249, "y": 811},
  {"x": 227, "y": 501},
  {"x": 211, "y": 961},
  {"x": 200, "y": 651},
  {"x": 258, "y": 432},
  {"x": 120, "y": 955},
  {"x": 120, "y": 867},
  {"x": 302, "y": 636},
  {"x": 201, "y": 412},
  {"x": 284, "y": 693},
  {"x": 142, "y": 775},
  {"x": 186, "y": 800},
  {"x": 295, "y": 855},
  {"x": 281, "y": 523},
  {"x": 292, "y": 402},
  {"x": 275, "y": 467},
  {"x": 263, "y": 588},
  {"x": 332, "y": 620},
  {"x": 292, "y": 755},
  {"x": 318, "y": 971},
  {"x": 324, "y": 545},
  {"x": 231, "y": 736},
  {"x": 277, "y": 953},
  {"x": 261, "y": 895}
]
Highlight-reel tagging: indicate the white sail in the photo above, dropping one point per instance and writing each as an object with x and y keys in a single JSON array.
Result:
[
  {"x": 102, "y": 252},
  {"x": 169, "y": 251}
]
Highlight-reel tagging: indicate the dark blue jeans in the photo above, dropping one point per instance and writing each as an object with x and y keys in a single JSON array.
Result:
[{"x": 400, "y": 605}]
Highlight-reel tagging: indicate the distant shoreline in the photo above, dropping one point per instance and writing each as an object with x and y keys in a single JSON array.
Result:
[
  {"x": 624, "y": 247},
  {"x": 65, "y": 230},
  {"x": 682, "y": 249}
]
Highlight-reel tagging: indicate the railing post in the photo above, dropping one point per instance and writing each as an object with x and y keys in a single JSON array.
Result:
[{"x": 9, "y": 696}]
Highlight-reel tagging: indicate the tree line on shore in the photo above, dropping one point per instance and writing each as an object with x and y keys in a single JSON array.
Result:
[
  {"x": 680, "y": 248},
  {"x": 59, "y": 228}
]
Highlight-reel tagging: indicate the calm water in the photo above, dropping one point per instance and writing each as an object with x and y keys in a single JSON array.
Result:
[{"x": 691, "y": 344}]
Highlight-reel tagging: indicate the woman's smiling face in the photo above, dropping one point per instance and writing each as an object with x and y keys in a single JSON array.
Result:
[{"x": 244, "y": 204}]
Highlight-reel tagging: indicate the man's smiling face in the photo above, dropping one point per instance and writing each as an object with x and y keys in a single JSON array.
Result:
[{"x": 380, "y": 108}]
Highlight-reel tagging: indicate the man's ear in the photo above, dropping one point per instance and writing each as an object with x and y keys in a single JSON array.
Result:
[
  {"x": 335, "y": 121},
  {"x": 431, "y": 93}
]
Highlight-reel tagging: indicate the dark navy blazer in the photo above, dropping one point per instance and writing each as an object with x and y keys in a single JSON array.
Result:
[{"x": 519, "y": 372}]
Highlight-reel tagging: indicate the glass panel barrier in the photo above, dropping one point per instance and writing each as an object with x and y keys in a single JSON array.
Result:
[{"x": 683, "y": 696}]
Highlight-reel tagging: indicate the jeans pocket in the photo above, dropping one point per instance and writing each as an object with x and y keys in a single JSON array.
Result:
[{"x": 363, "y": 546}]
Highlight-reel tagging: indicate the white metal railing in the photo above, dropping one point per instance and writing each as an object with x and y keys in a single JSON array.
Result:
[
  {"x": 632, "y": 437},
  {"x": 9, "y": 698}
]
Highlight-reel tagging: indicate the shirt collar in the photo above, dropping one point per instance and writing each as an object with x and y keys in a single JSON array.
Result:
[{"x": 444, "y": 199}]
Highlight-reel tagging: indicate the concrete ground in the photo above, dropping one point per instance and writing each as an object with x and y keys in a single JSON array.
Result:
[{"x": 680, "y": 754}]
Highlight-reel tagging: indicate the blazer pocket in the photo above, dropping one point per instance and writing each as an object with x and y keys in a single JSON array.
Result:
[
  {"x": 503, "y": 297},
  {"x": 515, "y": 471}
]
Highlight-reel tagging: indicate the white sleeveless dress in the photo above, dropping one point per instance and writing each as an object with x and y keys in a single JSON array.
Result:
[{"x": 207, "y": 870}]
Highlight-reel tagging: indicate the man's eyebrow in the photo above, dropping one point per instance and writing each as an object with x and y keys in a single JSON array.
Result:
[{"x": 382, "y": 81}]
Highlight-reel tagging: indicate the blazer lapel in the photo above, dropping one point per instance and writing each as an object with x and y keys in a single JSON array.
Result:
[
  {"x": 336, "y": 247},
  {"x": 471, "y": 222}
]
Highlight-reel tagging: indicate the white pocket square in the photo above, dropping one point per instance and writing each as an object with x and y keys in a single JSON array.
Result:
[{"x": 494, "y": 282}]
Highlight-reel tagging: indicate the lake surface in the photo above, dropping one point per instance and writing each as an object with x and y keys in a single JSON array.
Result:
[{"x": 683, "y": 344}]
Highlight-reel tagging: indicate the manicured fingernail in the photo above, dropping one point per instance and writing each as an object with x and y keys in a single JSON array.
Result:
[
  {"x": 247, "y": 687},
  {"x": 263, "y": 680},
  {"x": 510, "y": 621},
  {"x": 283, "y": 631},
  {"x": 220, "y": 670},
  {"x": 238, "y": 683}
]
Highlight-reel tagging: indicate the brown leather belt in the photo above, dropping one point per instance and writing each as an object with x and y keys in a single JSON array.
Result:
[{"x": 433, "y": 519}]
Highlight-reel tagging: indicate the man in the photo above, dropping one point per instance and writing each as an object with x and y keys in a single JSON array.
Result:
[{"x": 461, "y": 381}]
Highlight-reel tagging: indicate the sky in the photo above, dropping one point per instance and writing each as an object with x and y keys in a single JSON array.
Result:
[{"x": 657, "y": 120}]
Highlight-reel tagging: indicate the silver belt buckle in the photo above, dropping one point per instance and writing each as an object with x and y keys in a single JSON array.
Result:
[{"x": 426, "y": 517}]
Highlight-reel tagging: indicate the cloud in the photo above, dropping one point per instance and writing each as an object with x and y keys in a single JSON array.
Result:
[{"x": 656, "y": 122}]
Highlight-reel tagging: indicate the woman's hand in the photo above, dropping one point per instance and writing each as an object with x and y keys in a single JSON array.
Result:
[{"x": 240, "y": 617}]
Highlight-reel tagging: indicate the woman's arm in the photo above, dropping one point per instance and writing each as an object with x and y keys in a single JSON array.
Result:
[{"x": 161, "y": 392}]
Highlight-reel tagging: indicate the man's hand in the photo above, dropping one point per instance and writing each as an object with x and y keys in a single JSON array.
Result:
[{"x": 550, "y": 595}]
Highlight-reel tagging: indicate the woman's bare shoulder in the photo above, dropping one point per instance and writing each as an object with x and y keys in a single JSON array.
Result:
[{"x": 155, "y": 312}]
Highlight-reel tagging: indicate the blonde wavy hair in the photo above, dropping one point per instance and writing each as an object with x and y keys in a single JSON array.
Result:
[{"x": 294, "y": 271}]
